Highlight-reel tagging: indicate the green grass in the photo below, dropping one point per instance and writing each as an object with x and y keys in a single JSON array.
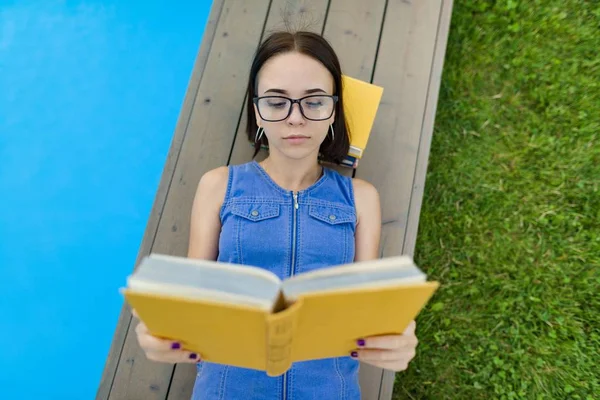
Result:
[{"x": 510, "y": 219}]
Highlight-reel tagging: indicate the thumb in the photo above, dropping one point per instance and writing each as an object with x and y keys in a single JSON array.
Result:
[{"x": 410, "y": 329}]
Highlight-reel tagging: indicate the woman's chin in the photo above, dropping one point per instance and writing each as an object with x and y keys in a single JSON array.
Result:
[{"x": 299, "y": 152}]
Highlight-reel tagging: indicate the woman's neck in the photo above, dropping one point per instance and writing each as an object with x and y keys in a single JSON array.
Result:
[{"x": 293, "y": 175}]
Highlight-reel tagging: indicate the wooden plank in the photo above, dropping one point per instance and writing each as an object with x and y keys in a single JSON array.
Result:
[
  {"x": 387, "y": 386},
  {"x": 297, "y": 12},
  {"x": 295, "y": 15},
  {"x": 181, "y": 128},
  {"x": 427, "y": 130},
  {"x": 403, "y": 68},
  {"x": 206, "y": 146},
  {"x": 418, "y": 186},
  {"x": 353, "y": 28}
]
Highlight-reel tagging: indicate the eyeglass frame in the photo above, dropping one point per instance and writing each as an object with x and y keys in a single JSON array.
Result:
[{"x": 294, "y": 101}]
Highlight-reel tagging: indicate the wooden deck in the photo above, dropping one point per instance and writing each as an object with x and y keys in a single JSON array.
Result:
[{"x": 397, "y": 44}]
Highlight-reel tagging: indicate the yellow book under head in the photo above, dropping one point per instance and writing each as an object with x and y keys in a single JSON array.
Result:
[{"x": 361, "y": 101}]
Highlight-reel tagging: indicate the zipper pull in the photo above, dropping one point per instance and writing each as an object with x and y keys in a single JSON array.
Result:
[{"x": 296, "y": 200}]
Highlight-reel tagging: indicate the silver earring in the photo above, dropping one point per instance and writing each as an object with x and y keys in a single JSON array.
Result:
[
  {"x": 331, "y": 130},
  {"x": 259, "y": 134}
]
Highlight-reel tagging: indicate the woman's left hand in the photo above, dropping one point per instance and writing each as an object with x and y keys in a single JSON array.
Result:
[{"x": 392, "y": 352}]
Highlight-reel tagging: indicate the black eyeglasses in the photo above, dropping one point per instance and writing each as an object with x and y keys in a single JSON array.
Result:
[{"x": 278, "y": 108}]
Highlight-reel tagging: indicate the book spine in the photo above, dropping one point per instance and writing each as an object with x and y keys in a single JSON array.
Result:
[{"x": 280, "y": 336}]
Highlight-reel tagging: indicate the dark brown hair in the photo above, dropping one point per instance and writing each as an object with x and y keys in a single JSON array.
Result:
[{"x": 315, "y": 46}]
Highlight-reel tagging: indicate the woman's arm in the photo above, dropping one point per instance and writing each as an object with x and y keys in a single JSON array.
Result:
[
  {"x": 392, "y": 352},
  {"x": 205, "y": 224},
  {"x": 368, "y": 228}
]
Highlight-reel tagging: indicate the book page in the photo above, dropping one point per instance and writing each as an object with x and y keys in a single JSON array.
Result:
[
  {"x": 386, "y": 272},
  {"x": 207, "y": 280}
]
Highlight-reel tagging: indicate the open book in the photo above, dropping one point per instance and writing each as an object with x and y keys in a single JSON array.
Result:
[{"x": 247, "y": 317}]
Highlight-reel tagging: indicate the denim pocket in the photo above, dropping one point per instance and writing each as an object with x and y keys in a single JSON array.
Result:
[
  {"x": 261, "y": 235},
  {"x": 255, "y": 212},
  {"x": 327, "y": 236},
  {"x": 332, "y": 215}
]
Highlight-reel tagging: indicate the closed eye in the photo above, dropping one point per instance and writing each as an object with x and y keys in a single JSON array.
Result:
[
  {"x": 314, "y": 103},
  {"x": 277, "y": 104}
]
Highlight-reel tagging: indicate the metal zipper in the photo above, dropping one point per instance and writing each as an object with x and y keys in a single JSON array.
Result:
[{"x": 294, "y": 229}]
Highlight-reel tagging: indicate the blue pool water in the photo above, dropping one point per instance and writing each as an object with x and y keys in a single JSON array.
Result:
[{"x": 90, "y": 92}]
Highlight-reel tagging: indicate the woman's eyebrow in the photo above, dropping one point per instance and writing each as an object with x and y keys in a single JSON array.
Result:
[
  {"x": 315, "y": 90},
  {"x": 282, "y": 91}
]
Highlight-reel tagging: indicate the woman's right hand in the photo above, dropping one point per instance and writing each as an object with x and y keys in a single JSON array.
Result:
[{"x": 162, "y": 350}]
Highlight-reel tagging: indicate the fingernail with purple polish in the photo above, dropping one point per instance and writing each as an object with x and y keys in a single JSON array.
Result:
[
  {"x": 193, "y": 356},
  {"x": 360, "y": 342},
  {"x": 175, "y": 345},
  {"x": 354, "y": 354}
]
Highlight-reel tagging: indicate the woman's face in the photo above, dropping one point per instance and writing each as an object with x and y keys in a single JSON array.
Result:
[{"x": 294, "y": 75}]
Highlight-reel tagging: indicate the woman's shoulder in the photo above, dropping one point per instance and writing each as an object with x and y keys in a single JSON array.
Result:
[
  {"x": 366, "y": 197},
  {"x": 218, "y": 178},
  {"x": 360, "y": 187},
  {"x": 216, "y": 182},
  {"x": 363, "y": 188},
  {"x": 214, "y": 179},
  {"x": 213, "y": 185}
]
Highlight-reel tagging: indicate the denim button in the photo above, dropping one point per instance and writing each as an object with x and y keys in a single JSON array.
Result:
[
  {"x": 254, "y": 213},
  {"x": 332, "y": 217}
]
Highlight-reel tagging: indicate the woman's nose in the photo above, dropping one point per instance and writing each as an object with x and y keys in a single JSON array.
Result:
[{"x": 296, "y": 116}]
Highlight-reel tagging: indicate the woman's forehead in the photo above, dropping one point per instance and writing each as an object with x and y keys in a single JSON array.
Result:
[{"x": 294, "y": 73}]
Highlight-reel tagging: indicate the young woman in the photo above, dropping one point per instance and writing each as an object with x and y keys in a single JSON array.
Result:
[{"x": 289, "y": 214}]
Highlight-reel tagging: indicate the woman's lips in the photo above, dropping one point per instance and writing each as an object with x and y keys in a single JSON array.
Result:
[{"x": 296, "y": 139}]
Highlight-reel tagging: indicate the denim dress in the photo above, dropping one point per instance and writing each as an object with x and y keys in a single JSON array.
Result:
[{"x": 286, "y": 233}]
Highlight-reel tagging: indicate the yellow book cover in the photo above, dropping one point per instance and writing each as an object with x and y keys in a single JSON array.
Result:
[
  {"x": 247, "y": 317},
  {"x": 361, "y": 101}
]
